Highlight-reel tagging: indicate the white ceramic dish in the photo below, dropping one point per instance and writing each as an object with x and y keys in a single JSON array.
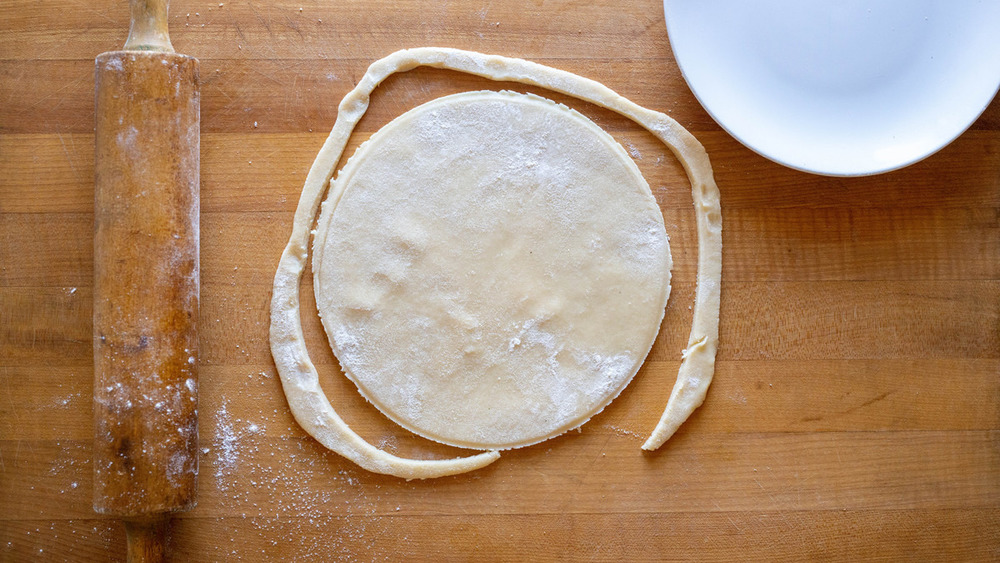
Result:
[{"x": 840, "y": 87}]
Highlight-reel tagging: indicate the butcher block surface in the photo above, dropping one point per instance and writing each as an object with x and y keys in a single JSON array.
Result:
[{"x": 855, "y": 412}]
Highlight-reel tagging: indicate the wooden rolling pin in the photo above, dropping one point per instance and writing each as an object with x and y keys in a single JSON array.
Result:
[{"x": 146, "y": 282}]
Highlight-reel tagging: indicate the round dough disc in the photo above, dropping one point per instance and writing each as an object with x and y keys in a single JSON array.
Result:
[{"x": 491, "y": 269}]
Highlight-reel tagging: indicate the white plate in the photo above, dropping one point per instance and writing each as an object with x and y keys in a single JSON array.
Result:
[{"x": 839, "y": 87}]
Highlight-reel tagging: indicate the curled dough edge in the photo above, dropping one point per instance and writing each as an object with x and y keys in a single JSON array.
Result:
[{"x": 310, "y": 406}]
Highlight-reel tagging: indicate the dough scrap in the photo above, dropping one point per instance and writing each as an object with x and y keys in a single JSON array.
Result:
[
  {"x": 299, "y": 378},
  {"x": 491, "y": 269}
]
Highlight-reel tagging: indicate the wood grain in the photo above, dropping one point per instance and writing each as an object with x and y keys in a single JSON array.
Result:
[{"x": 855, "y": 414}]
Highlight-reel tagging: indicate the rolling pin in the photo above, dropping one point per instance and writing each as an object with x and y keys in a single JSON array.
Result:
[{"x": 146, "y": 282}]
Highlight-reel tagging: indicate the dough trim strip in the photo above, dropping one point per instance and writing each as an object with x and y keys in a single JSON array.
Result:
[{"x": 300, "y": 380}]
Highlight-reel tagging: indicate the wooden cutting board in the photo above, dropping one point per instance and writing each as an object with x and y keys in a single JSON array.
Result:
[{"x": 856, "y": 408}]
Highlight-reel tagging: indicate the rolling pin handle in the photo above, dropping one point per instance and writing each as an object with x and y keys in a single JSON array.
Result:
[
  {"x": 148, "y": 28},
  {"x": 146, "y": 540}
]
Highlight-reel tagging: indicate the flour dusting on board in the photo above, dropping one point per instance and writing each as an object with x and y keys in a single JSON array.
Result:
[
  {"x": 633, "y": 152},
  {"x": 293, "y": 493},
  {"x": 226, "y": 445}
]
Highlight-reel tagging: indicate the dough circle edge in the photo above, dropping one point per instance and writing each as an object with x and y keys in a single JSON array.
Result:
[
  {"x": 637, "y": 201},
  {"x": 300, "y": 381}
]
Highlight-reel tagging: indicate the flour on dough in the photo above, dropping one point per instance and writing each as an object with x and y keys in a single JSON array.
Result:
[{"x": 494, "y": 270}]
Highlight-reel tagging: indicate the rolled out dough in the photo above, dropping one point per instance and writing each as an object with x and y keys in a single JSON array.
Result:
[
  {"x": 306, "y": 399},
  {"x": 494, "y": 270}
]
